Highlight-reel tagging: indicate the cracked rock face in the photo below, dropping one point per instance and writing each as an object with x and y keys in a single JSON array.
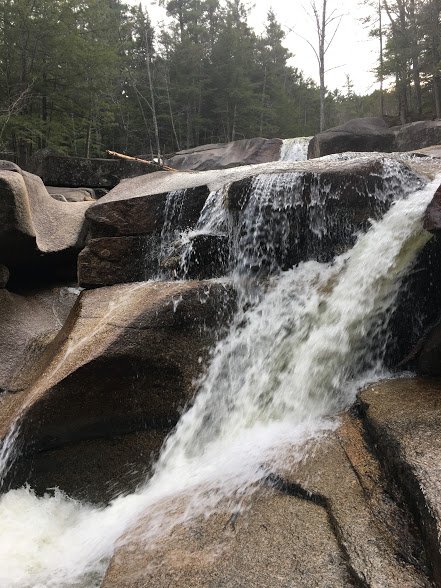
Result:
[
  {"x": 403, "y": 419},
  {"x": 325, "y": 520},
  {"x": 278, "y": 541}
]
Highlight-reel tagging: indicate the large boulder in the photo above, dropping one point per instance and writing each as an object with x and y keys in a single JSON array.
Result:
[
  {"x": 225, "y": 155},
  {"x": 418, "y": 135},
  {"x": 128, "y": 235},
  {"x": 79, "y": 172},
  {"x": 403, "y": 420},
  {"x": 29, "y": 325},
  {"x": 280, "y": 541},
  {"x": 322, "y": 520},
  {"x": 359, "y": 134},
  {"x": 125, "y": 361},
  {"x": 352, "y": 191},
  {"x": 32, "y": 223}
]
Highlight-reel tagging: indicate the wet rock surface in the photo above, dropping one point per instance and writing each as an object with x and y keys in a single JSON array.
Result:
[
  {"x": 118, "y": 260},
  {"x": 94, "y": 470},
  {"x": 97, "y": 386},
  {"x": 278, "y": 541},
  {"x": 225, "y": 155},
  {"x": 327, "y": 521},
  {"x": 432, "y": 217},
  {"x": 403, "y": 419},
  {"x": 124, "y": 361},
  {"x": 138, "y": 207}
]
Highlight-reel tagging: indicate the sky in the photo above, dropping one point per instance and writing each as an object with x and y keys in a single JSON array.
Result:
[{"x": 352, "y": 52}]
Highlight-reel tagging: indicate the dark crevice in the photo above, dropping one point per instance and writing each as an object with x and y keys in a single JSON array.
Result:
[
  {"x": 297, "y": 491},
  {"x": 404, "y": 490}
]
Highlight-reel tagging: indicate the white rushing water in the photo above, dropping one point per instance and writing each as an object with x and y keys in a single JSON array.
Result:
[
  {"x": 295, "y": 149},
  {"x": 291, "y": 361}
]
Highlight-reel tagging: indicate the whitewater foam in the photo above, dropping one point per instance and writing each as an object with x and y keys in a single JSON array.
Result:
[{"x": 290, "y": 362}]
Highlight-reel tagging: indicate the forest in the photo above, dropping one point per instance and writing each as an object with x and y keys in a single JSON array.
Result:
[{"x": 82, "y": 76}]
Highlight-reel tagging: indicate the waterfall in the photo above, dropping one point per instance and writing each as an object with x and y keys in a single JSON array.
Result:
[
  {"x": 295, "y": 149},
  {"x": 299, "y": 346},
  {"x": 172, "y": 216}
]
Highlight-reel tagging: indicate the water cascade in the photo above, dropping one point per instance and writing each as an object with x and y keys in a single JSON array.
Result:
[
  {"x": 295, "y": 149},
  {"x": 302, "y": 341}
]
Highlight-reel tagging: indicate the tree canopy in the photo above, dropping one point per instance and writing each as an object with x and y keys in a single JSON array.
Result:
[{"x": 83, "y": 76}]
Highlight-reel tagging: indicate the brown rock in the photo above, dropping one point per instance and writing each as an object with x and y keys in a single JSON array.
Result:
[
  {"x": 403, "y": 419},
  {"x": 29, "y": 324},
  {"x": 124, "y": 361},
  {"x": 118, "y": 260},
  {"x": 225, "y": 155},
  {"x": 278, "y": 541},
  {"x": 119, "y": 213},
  {"x": 340, "y": 473},
  {"x": 432, "y": 217},
  {"x": 71, "y": 194},
  {"x": 93, "y": 470},
  {"x": 32, "y": 222},
  {"x": 327, "y": 521}
]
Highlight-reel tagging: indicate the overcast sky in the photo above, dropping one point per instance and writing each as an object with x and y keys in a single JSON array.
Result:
[{"x": 352, "y": 51}]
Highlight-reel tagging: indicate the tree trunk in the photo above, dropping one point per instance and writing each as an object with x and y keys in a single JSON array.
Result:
[
  {"x": 262, "y": 102},
  {"x": 322, "y": 37},
  {"x": 172, "y": 119},
  {"x": 233, "y": 131},
  {"x": 152, "y": 94},
  {"x": 437, "y": 95},
  {"x": 380, "y": 25}
]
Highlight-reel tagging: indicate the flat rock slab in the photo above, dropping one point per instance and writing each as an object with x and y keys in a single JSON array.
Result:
[
  {"x": 225, "y": 155},
  {"x": 403, "y": 419},
  {"x": 137, "y": 207},
  {"x": 322, "y": 520},
  {"x": 431, "y": 151},
  {"x": 71, "y": 194},
  {"x": 278, "y": 542},
  {"x": 339, "y": 473}
]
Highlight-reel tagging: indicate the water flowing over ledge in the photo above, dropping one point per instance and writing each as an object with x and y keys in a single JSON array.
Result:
[{"x": 300, "y": 344}]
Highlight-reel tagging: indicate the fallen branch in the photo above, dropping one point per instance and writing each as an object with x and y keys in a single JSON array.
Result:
[{"x": 139, "y": 160}]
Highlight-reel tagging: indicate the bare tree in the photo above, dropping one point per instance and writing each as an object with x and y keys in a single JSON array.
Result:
[
  {"x": 375, "y": 20},
  {"x": 15, "y": 107},
  {"x": 327, "y": 24}
]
